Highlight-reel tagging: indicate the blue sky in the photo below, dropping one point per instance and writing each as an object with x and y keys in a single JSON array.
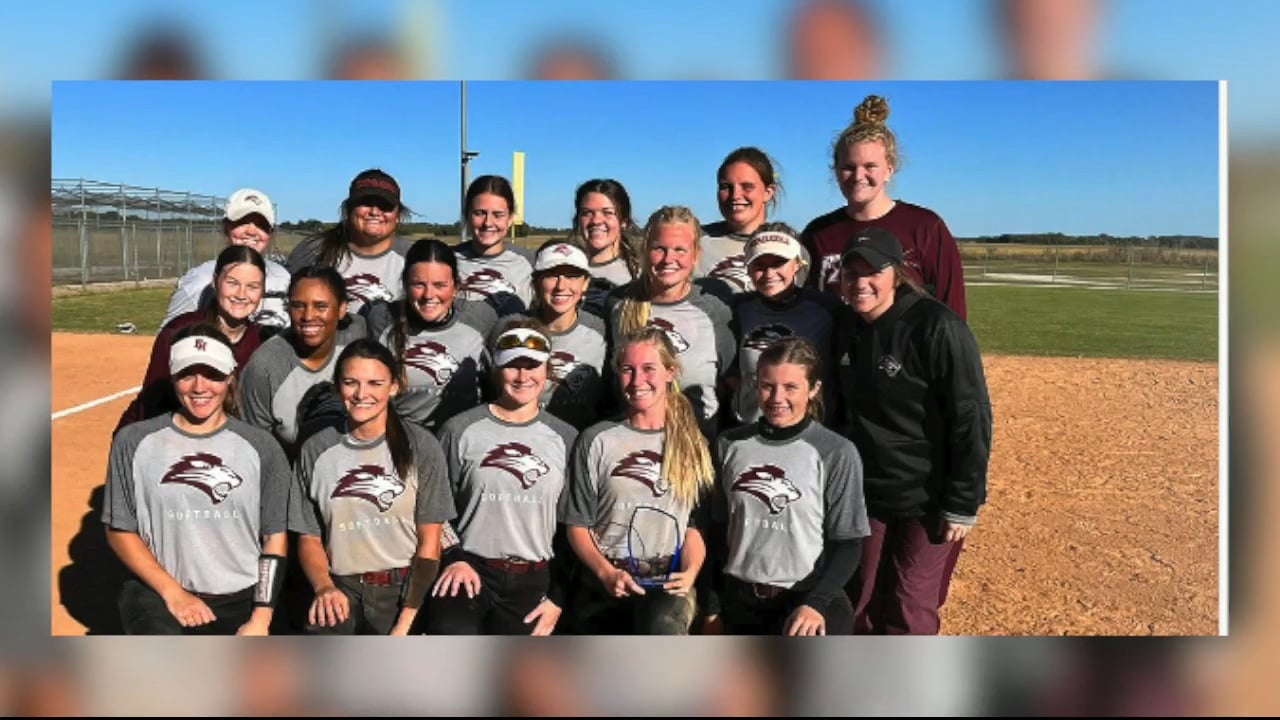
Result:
[
  {"x": 655, "y": 40},
  {"x": 1123, "y": 158}
]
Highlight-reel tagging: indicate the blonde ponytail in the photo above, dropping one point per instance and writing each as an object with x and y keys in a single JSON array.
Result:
[
  {"x": 636, "y": 307},
  {"x": 686, "y": 460}
]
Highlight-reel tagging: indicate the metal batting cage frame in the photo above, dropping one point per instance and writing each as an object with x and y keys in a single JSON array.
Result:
[{"x": 112, "y": 232}]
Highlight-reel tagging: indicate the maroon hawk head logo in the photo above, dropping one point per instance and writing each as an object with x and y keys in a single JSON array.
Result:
[
  {"x": 765, "y": 335},
  {"x": 206, "y": 473},
  {"x": 487, "y": 282},
  {"x": 831, "y": 272},
  {"x": 677, "y": 340},
  {"x": 770, "y": 484},
  {"x": 562, "y": 363},
  {"x": 372, "y": 483},
  {"x": 518, "y": 460},
  {"x": 433, "y": 359},
  {"x": 367, "y": 287},
  {"x": 733, "y": 270},
  {"x": 562, "y": 249},
  {"x": 645, "y": 467}
]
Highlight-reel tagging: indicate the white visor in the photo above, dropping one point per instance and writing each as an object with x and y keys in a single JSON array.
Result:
[
  {"x": 771, "y": 242},
  {"x": 201, "y": 350},
  {"x": 521, "y": 343},
  {"x": 561, "y": 253}
]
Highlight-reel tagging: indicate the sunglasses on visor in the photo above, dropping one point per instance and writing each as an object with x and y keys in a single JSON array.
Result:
[{"x": 530, "y": 341}]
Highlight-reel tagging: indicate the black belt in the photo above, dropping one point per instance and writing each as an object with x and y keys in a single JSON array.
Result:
[{"x": 515, "y": 566}]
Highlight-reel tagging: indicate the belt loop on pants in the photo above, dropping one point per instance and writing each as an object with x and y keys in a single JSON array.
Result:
[{"x": 384, "y": 578}]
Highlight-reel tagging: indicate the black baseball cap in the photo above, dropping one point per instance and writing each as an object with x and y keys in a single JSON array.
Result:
[
  {"x": 374, "y": 183},
  {"x": 877, "y": 246}
]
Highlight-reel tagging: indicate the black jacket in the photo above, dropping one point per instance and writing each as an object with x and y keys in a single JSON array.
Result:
[{"x": 918, "y": 410}]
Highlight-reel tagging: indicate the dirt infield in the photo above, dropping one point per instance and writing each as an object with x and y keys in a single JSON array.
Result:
[{"x": 1102, "y": 517}]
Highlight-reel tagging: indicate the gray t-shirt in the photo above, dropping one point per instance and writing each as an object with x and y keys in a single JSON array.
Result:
[
  {"x": 698, "y": 327},
  {"x": 604, "y": 278},
  {"x": 722, "y": 257},
  {"x": 785, "y": 498},
  {"x": 348, "y": 491},
  {"x": 508, "y": 482},
  {"x": 195, "y": 290},
  {"x": 497, "y": 279},
  {"x": 445, "y": 364},
  {"x": 369, "y": 277},
  {"x": 616, "y": 490},
  {"x": 273, "y": 384},
  {"x": 757, "y": 323},
  {"x": 575, "y": 387},
  {"x": 200, "y": 503}
]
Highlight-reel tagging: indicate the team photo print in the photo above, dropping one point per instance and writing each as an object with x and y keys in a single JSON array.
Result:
[{"x": 788, "y": 358}]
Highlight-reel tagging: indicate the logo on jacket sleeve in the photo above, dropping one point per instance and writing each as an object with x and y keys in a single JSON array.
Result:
[
  {"x": 372, "y": 483},
  {"x": 733, "y": 270},
  {"x": 368, "y": 288},
  {"x": 765, "y": 335},
  {"x": 488, "y": 282},
  {"x": 677, "y": 340},
  {"x": 206, "y": 473},
  {"x": 768, "y": 483},
  {"x": 645, "y": 467},
  {"x": 433, "y": 359},
  {"x": 519, "y": 460}
]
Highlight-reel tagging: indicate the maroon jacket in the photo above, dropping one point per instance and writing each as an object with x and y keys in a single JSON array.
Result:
[
  {"x": 930, "y": 251},
  {"x": 157, "y": 396}
]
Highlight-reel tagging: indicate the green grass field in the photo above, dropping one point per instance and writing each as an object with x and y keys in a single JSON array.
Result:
[
  {"x": 1006, "y": 320},
  {"x": 1094, "y": 323},
  {"x": 99, "y": 312}
]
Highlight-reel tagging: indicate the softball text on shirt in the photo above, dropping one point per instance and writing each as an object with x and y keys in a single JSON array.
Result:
[
  {"x": 617, "y": 490},
  {"x": 200, "y": 503},
  {"x": 785, "y": 499},
  {"x": 349, "y": 492},
  {"x": 508, "y": 482}
]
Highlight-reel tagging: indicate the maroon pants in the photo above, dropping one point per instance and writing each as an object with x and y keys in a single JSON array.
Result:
[{"x": 902, "y": 579}]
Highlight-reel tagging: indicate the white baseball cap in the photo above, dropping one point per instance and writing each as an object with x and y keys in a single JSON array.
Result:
[
  {"x": 201, "y": 350},
  {"x": 521, "y": 343},
  {"x": 772, "y": 242},
  {"x": 247, "y": 200},
  {"x": 561, "y": 253}
]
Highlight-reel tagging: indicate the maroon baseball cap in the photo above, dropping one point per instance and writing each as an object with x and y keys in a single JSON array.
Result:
[{"x": 374, "y": 183}]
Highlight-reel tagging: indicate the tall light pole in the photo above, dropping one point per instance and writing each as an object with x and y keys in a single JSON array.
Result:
[{"x": 466, "y": 180}]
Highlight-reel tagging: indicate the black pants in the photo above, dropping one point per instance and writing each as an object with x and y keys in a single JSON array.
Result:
[
  {"x": 505, "y": 598},
  {"x": 744, "y": 612},
  {"x": 654, "y": 613},
  {"x": 144, "y": 612},
  {"x": 373, "y": 608}
]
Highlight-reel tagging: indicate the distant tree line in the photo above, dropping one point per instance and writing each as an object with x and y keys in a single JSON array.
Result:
[
  {"x": 1176, "y": 242},
  {"x": 419, "y": 228}
]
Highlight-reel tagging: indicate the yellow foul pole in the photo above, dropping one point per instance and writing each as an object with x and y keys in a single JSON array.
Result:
[{"x": 517, "y": 187}]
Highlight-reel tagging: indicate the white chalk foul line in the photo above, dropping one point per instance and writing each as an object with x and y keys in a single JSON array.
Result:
[{"x": 95, "y": 403}]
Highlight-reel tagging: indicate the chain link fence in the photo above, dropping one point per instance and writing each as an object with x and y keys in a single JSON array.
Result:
[{"x": 114, "y": 232}]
